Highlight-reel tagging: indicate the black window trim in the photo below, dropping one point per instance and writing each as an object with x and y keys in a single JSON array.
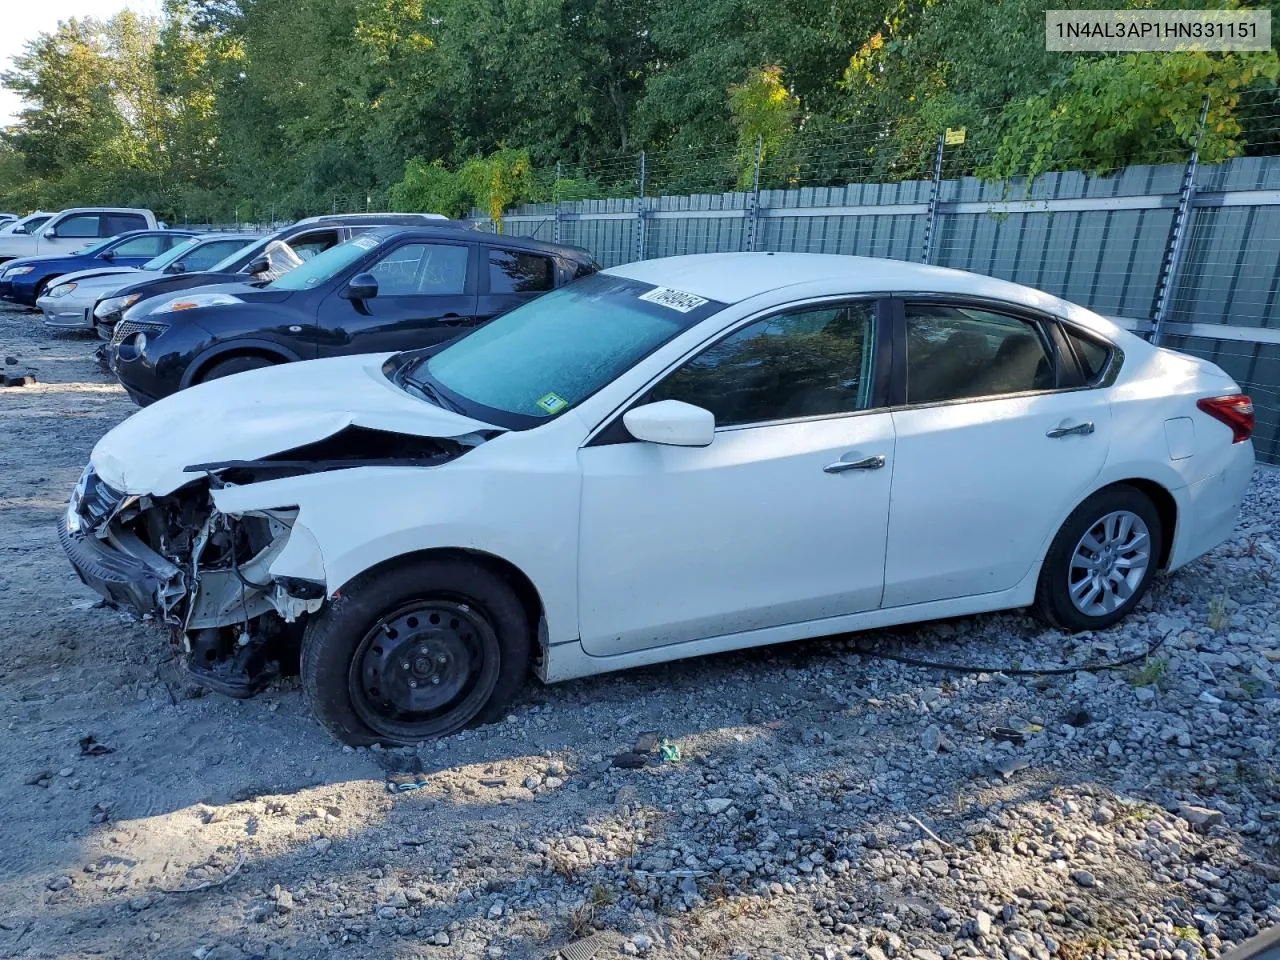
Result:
[
  {"x": 1115, "y": 356},
  {"x": 1049, "y": 327},
  {"x": 611, "y": 430},
  {"x": 485, "y": 264}
]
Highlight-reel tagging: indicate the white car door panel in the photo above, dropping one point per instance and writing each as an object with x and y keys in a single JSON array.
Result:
[
  {"x": 763, "y": 527},
  {"x": 781, "y": 519},
  {"x": 980, "y": 484}
]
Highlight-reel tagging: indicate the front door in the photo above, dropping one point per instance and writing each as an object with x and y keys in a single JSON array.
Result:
[
  {"x": 426, "y": 295},
  {"x": 780, "y": 520}
]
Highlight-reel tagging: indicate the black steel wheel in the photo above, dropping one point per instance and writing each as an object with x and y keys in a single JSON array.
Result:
[{"x": 416, "y": 652}]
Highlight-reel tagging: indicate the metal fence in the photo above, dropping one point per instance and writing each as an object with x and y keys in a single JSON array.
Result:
[{"x": 1184, "y": 253}]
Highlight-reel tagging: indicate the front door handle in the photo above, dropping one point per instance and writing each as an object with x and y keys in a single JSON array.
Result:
[
  {"x": 865, "y": 463},
  {"x": 453, "y": 319},
  {"x": 1075, "y": 430}
]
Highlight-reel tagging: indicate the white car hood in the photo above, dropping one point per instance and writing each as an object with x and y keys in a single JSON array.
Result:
[
  {"x": 261, "y": 412},
  {"x": 107, "y": 276}
]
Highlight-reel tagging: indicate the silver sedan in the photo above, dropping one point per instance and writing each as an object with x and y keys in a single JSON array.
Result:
[{"x": 69, "y": 305}]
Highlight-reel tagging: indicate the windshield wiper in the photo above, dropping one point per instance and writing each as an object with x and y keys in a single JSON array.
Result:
[{"x": 432, "y": 393}]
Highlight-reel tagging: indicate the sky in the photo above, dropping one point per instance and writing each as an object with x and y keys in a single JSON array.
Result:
[{"x": 25, "y": 19}]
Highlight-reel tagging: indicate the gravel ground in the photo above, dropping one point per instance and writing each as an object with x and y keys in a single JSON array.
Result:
[{"x": 803, "y": 801}]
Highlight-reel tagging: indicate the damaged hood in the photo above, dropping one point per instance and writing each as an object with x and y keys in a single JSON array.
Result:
[{"x": 263, "y": 412}]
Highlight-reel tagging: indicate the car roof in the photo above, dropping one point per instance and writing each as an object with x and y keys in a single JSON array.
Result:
[
  {"x": 387, "y": 217},
  {"x": 478, "y": 236},
  {"x": 732, "y": 277}
]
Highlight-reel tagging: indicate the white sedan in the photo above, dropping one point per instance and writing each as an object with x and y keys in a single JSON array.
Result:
[{"x": 667, "y": 459}]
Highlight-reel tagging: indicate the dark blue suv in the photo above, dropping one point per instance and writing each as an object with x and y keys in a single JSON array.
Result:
[{"x": 25, "y": 280}]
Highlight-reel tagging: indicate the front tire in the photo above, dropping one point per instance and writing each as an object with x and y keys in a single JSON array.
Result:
[
  {"x": 1101, "y": 562},
  {"x": 414, "y": 652}
]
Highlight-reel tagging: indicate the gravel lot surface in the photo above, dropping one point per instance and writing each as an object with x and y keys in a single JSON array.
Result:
[{"x": 803, "y": 801}]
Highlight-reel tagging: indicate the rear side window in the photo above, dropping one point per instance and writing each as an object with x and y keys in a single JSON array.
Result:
[
  {"x": 1094, "y": 355},
  {"x": 80, "y": 225},
  {"x": 960, "y": 352},
  {"x": 120, "y": 222},
  {"x": 514, "y": 271}
]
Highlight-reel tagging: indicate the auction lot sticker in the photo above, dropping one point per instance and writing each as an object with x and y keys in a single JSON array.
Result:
[{"x": 673, "y": 299}]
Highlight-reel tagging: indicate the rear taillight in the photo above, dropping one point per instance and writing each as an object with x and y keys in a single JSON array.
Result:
[{"x": 1236, "y": 411}]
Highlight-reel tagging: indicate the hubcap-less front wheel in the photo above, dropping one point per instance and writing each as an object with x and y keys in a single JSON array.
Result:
[
  {"x": 422, "y": 665},
  {"x": 1109, "y": 563}
]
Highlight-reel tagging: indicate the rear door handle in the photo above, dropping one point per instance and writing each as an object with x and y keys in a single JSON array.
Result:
[
  {"x": 864, "y": 463},
  {"x": 1075, "y": 430}
]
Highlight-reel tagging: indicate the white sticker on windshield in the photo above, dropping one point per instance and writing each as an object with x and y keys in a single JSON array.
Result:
[
  {"x": 364, "y": 243},
  {"x": 673, "y": 299}
]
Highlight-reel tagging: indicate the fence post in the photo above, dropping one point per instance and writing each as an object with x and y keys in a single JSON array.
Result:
[
  {"x": 555, "y": 198},
  {"x": 641, "y": 213},
  {"x": 753, "y": 202},
  {"x": 1176, "y": 250},
  {"x": 930, "y": 224}
]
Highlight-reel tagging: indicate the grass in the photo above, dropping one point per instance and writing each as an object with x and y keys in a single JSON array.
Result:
[{"x": 1151, "y": 674}]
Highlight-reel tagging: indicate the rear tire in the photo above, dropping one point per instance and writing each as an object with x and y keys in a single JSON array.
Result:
[
  {"x": 225, "y": 368},
  {"x": 415, "y": 651},
  {"x": 1101, "y": 562}
]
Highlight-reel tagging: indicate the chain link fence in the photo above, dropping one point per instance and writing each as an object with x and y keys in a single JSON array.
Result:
[{"x": 1182, "y": 252}]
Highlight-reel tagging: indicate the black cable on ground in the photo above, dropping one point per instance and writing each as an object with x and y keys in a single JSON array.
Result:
[{"x": 1009, "y": 671}]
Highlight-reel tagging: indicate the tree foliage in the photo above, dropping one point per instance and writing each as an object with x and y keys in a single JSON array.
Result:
[{"x": 288, "y": 107}]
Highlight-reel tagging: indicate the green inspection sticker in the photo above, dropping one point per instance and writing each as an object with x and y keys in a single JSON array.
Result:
[{"x": 552, "y": 403}]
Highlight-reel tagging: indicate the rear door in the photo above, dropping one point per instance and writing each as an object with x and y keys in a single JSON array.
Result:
[
  {"x": 426, "y": 294},
  {"x": 996, "y": 442},
  {"x": 510, "y": 277}
]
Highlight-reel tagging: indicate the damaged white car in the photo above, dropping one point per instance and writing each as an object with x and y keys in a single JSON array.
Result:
[{"x": 666, "y": 459}]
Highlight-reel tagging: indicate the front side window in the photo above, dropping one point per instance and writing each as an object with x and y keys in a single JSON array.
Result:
[
  {"x": 207, "y": 254},
  {"x": 514, "y": 271},
  {"x": 804, "y": 363},
  {"x": 960, "y": 352},
  {"x": 422, "y": 269},
  {"x": 146, "y": 246},
  {"x": 83, "y": 225},
  {"x": 545, "y": 356}
]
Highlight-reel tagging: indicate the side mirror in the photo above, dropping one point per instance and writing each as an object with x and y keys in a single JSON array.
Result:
[
  {"x": 108, "y": 255},
  {"x": 50, "y": 232},
  {"x": 19, "y": 229},
  {"x": 175, "y": 268},
  {"x": 671, "y": 422},
  {"x": 258, "y": 265},
  {"x": 363, "y": 286}
]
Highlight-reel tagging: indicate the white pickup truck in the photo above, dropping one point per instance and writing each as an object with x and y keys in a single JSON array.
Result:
[{"x": 71, "y": 229}]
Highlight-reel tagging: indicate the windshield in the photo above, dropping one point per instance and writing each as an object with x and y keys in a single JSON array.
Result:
[
  {"x": 170, "y": 255},
  {"x": 548, "y": 355},
  {"x": 94, "y": 246},
  {"x": 326, "y": 265}
]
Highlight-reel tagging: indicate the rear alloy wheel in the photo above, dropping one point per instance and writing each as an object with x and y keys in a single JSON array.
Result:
[
  {"x": 1101, "y": 562},
  {"x": 416, "y": 652},
  {"x": 225, "y": 368}
]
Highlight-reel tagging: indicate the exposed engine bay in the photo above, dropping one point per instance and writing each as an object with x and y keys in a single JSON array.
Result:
[{"x": 206, "y": 575}]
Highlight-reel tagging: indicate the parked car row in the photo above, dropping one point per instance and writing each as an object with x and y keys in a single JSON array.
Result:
[{"x": 495, "y": 459}]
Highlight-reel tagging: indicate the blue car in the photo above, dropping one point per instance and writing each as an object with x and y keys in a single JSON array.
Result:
[{"x": 25, "y": 280}]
